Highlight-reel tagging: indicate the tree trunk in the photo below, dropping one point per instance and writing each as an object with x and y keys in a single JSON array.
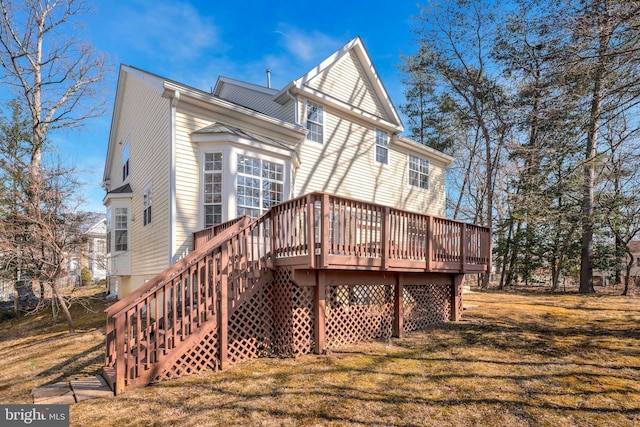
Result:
[{"x": 63, "y": 304}]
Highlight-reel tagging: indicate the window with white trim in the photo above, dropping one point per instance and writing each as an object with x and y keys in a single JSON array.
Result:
[
  {"x": 146, "y": 205},
  {"x": 121, "y": 222},
  {"x": 315, "y": 122},
  {"x": 109, "y": 228},
  {"x": 212, "y": 189},
  {"x": 125, "y": 161},
  {"x": 382, "y": 147},
  {"x": 260, "y": 185},
  {"x": 418, "y": 172}
]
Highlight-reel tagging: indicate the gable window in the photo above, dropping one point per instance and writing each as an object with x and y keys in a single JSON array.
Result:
[
  {"x": 315, "y": 122},
  {"x": 146, "y": 205},
  {"x": 418, "y": 172},
  {"x": 121, "y": 219},
  {"x": 260, "y": 185},
  {"x": 212, "y": 189},
  {"x": 382, "y": 147},
  {"x": 125, "y": 161}
]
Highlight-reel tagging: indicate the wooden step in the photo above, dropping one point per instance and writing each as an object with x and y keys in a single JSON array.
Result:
[{"x": 109, "y": 374}]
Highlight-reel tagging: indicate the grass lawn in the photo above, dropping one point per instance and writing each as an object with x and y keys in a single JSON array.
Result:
[{"x": 515, "y": 360}]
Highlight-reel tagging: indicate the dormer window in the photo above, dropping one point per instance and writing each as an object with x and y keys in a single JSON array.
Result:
[{"x": 315, "y": 122}]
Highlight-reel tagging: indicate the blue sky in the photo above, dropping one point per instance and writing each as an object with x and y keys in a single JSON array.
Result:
[{"x": 194, "y": 42}]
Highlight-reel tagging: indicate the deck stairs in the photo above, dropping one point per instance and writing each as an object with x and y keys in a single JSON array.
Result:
[{"x": 153, "y": 332}]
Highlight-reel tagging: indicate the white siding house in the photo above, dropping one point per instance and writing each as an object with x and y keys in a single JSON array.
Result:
[{"x": 180, "y": 159}]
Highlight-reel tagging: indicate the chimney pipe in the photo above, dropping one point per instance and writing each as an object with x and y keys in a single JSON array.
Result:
[{"x": 269, "y": 78}]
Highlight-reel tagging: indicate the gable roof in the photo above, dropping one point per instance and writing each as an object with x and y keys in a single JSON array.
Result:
[{"x": 324, "y": 84}]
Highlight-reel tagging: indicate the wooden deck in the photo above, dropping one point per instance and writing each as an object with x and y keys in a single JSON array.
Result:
[{"x": 310, "y": 273}]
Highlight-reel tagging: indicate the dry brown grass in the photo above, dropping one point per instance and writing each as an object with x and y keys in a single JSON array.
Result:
[{"x": 515, "y": 360}]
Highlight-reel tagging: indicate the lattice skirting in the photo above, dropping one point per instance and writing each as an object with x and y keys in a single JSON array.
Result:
[
  {"x": 358, "y": 313},
  {"x": 203, "y": 356},
  {"x": 425, "y": 305},
  {"x": 278, "y": 318},
  {"x": 250, "y": 330},
  {"x": 293, "y": 319}
]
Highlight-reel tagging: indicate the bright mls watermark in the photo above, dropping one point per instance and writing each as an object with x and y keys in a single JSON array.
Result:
[{"x": 34, "y": 415}]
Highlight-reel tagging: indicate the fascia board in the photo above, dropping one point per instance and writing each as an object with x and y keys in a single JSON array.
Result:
[
  {"x": 353, "y": 111},
  {"x": 424, "y": 150}
]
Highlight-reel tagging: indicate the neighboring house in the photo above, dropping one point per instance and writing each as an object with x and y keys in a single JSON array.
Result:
[
  {"x": 91, "y": 253},
  {"x": 180, "y": 159}
]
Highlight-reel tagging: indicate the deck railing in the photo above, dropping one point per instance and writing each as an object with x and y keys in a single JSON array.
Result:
[
  {"x": 203, "y": 288},
  {"x": 351, "y": 234}
]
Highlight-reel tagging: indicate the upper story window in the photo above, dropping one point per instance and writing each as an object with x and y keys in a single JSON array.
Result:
[
  {"x": 260, "y": 185},
  {"x": 382, "y": 147},
  {"x": 146, "y": 205},
  {"x": 212, "y": 189},
  {"x": 121, "y": 222},
  {"x": 315, "y": 122},
  {"x": 125, "y": 161},
  {"x": 418, "y": 172}
]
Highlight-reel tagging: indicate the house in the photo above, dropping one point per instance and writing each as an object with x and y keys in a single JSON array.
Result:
[
  {"x": 253, "y": 221},
  {"x": 180, "y": 159},
  {"x": 90, "y": 252}
]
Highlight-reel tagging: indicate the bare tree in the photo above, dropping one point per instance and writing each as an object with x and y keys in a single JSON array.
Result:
[
  {"x": 52, "y": 71},
  {"x": 56, "y": 77},
  {"x": 455, "y": 43}
]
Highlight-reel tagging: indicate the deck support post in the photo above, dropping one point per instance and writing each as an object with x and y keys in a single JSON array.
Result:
[
  {"x": 456, "y": 296},
  {"x": 223, "y": 313},
  {"x": 120, "y": 355},
  {"x": 320, "y": 314},
  {"x": 398, "y": 306}
]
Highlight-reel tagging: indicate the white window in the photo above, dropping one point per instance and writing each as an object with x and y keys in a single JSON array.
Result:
[
  {"x": 146, "y": 205},
  {"x": 125, "y": 161},
  {"x": 259, "y": 186},
  {"x": 109, "y": 229},
  {"x": 212, "y": 189},
  {"x": 121, "y": 221},
  {"x": 315, "y": 122},
  {"x": 418, "y": 172},
  {"x": 382, "y": 147}
]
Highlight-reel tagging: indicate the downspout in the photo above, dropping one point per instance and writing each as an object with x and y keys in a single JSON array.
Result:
[
  {"x": 296, "y": 159},
  {"x": 173, "y": 103}
]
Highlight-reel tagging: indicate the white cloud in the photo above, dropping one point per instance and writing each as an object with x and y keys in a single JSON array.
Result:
[
  {"x": 307, "y": 46},
  {"x": 167, "y": 29}
]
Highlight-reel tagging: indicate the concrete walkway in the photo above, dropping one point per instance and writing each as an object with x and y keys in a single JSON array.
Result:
[{"x": 76, "y": 390}]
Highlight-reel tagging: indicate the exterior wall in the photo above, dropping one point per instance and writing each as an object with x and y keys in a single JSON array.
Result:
[
  {"x": 143, "y": 120},
  {"x": 188, "y": 217},
  {"x": 345, "y": 165},
  {"x": 346, "y": 81}
]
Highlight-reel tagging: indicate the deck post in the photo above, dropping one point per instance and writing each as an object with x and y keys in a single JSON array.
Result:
[
  {"x": 385, "y": 237},
  {"x": 311, "y": 231},
  {"x": 319, "y": 311},
  {"x": 398, "y": 306},
  {"x": 223, "y": 313},
  {"x": 456, "y": 296},
  {"x": 121, "y": 357},
  {"x": 429, "y": 246},
  {"x": 324, "y": 230},
  {"x": 463, "y": 247}
]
